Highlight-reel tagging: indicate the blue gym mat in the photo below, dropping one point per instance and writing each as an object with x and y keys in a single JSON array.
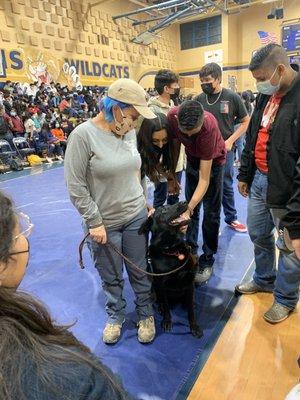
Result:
[{"x": 165, "y": 369}]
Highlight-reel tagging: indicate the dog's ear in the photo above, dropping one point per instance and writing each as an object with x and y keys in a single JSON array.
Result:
[{"x": 146, "y": 226}]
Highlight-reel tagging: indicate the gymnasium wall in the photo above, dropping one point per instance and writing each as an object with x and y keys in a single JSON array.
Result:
[
  {"x": 239, "y": 40},
  {"x": 43, "y": 39}
]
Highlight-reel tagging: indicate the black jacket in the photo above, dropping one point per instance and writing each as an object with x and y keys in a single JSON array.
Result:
[{"x": 283, "y": 155}]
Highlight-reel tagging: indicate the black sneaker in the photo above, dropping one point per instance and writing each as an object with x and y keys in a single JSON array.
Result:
[
  {"x": 205, "y": 269},
  {"x": 203, "y": 275}
]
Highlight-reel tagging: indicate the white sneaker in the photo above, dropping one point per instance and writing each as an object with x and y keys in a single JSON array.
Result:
[
  {"x": 146, "y": 330},
  {"x": 111, "y": 333}
]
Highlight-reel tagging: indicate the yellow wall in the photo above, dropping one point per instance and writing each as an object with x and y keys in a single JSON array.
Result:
[
  {"x": 239, "y": 40},
  {"x": 42, "y": 34}
]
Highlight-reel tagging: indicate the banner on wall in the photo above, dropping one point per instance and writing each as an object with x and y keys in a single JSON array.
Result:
[
  {"x": 232, "y": 83},
  {"x": 215, "y": 56},
  {"x": 28, "y": 65}
]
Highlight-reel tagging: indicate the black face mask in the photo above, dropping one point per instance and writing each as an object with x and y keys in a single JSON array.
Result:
[
  {"x": 175, "y": 95},
  {"x": 158, "y": 151},
  {"x": 207, "y": 88}
]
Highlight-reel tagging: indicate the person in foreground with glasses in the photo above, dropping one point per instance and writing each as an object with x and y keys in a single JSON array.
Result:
[
  {"x": 102, "y": 171},
  {"x": 39, "y": 360}
]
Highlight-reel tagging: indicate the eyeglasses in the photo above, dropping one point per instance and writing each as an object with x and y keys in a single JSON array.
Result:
[
  {"x": 25, "y": 224},
  {"x": 22, "y": 251}
]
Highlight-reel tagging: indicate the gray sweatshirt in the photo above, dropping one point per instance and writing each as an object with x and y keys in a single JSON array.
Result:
[{"x": 102, "y": 173}]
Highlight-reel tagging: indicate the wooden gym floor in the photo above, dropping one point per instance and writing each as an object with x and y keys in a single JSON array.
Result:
[{"x": 252, "y": 360}]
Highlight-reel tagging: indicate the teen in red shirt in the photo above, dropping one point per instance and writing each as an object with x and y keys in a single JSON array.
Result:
[{"x": 198, "y": 131}]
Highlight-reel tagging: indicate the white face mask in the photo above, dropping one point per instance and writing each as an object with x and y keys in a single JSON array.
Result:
[
  {"x": 13, "y": 113},
  {"x": 125, "y": 126},
  {"x": 266, "y": 87}
]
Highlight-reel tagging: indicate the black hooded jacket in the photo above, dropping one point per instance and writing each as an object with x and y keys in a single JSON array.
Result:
[{"x": 283, "y": 156}]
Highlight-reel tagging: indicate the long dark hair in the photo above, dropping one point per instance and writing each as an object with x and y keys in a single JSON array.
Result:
[
  {"x": 7, "y": 226},
  {"x": 34, "y": 351},
  {"x": 149, "y": 154}
]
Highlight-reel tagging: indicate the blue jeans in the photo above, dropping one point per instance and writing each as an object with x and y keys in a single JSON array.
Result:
[
  {"x": 240, "y": 146},
  {"x": 110, "y": 267},
  {"x": 261, "y": 226},
  {"x": 228, "y": 193},
  {"x": 161, "y": 193},
  {"x": 211, "y": 210}
]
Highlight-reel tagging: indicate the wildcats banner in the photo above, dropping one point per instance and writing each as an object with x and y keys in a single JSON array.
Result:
[{"x": 27, "y": 65}]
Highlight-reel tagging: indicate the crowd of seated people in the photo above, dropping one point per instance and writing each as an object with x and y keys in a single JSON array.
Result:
[{"x": 44, "y": 115}]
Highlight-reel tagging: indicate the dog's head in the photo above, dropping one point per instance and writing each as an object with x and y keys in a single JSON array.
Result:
[{"x": 166, "y": 221}]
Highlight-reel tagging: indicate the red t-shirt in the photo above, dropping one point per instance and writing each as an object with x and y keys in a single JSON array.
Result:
[
  {"x": 63, "y": 105},
  {"x": 208, "y": 144},
  {"x": 268, "y": 118}
]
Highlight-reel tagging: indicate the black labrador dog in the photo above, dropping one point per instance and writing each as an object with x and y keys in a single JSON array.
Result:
[{"x": 168, "y": 252}]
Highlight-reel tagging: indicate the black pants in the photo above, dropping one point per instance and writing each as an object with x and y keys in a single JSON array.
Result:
[
  {"x": 161, "y": 193},
  {"x": 211, "y": 210}
]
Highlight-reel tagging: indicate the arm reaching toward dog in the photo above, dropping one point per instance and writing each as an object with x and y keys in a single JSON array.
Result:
[{"x": 201, "y": 189}]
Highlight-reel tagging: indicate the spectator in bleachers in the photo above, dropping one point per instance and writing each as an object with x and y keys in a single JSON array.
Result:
[
  {"x": 37, "y": 122},
  {"x": 29, "y": 106},
  {"x": 54, "y": 115},
  {"x": 20, "y": 105},
  {"x": 66, "y": 125},
  {"x": 29, "y": 125},
  {"x": 81, "y": 98},
  {"x": 90, "y": 101},
  {"x": 5, "y": 126},
  {"x": 8, "y": 86},
  {"x": 42, "y": 104},
  {"x": 65, "y": 106},
  {"x": 76, "y": 104},
  {"x": 18, "y": 128},
  {"x": 59, "y": 134},
  {"x": 54, "y": 100},
  {"x": 33, "y": 108},
  {"x": 31, "y": 90},
  {"x": 18, "y": 89},
  {"x": 7, "y": 102},
  {"x": 54, "y": 147}
]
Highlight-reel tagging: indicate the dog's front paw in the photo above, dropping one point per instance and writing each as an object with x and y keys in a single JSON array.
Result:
[
  {"x": 196, "y": 331},
  {"x": 166, "y": 325}
]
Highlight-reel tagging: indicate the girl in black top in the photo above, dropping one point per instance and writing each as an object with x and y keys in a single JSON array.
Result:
[
  {"x": 39, "y": 359},
  {"x": 154, "y": 142}
]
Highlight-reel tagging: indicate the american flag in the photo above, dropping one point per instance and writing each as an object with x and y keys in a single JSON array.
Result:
[{"x": 267, "y": 37}]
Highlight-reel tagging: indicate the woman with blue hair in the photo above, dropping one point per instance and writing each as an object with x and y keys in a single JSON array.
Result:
[{"x": 102, "y": 169}]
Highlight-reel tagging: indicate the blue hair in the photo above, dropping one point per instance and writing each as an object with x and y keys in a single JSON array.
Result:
[{"x": 106, "y": 104}]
